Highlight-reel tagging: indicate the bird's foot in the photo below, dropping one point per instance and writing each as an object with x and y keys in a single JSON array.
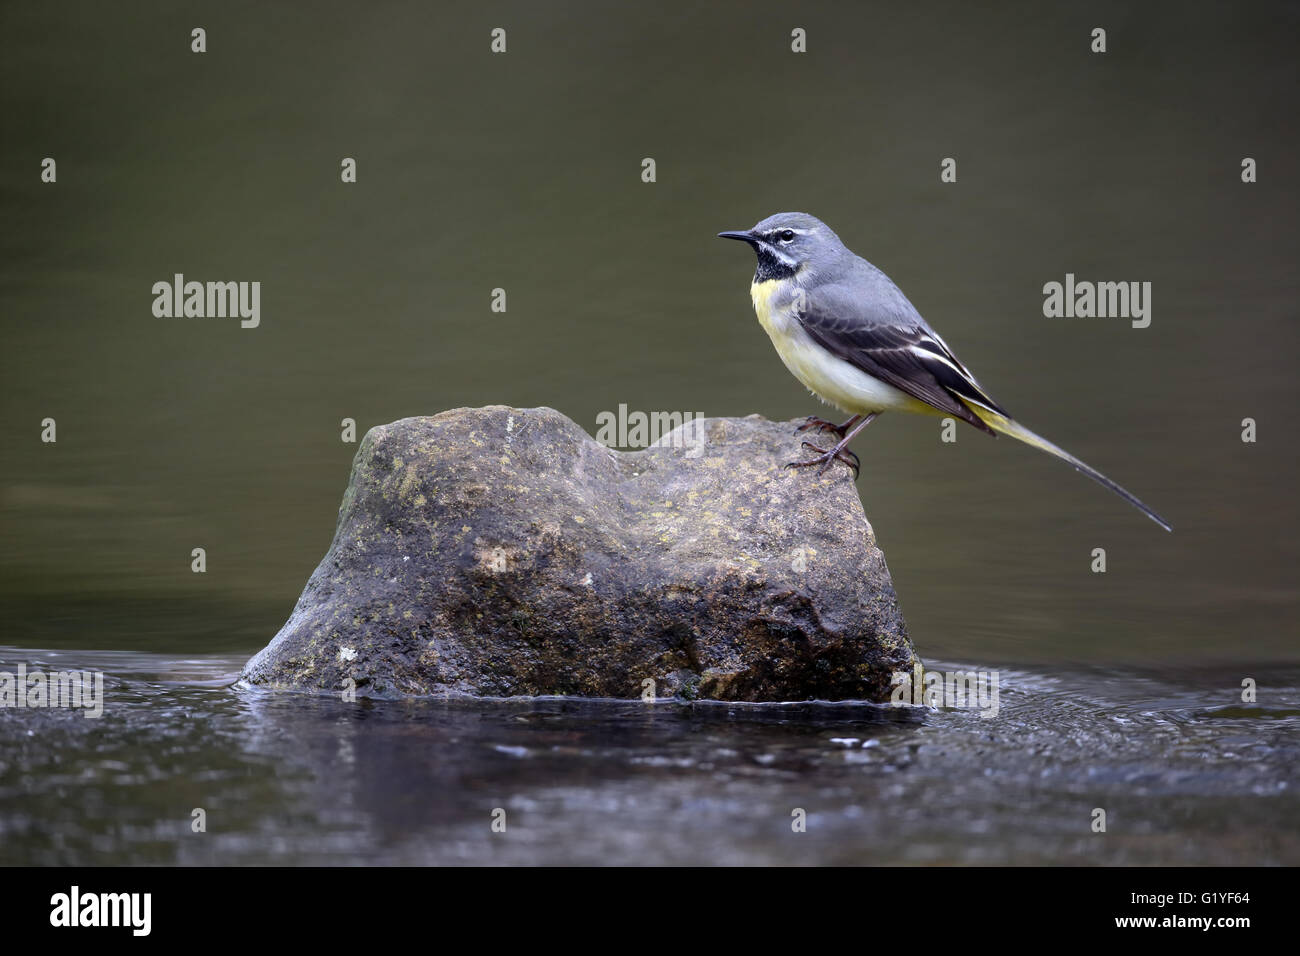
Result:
[
  {"x": 824, "y": 458},
  {"x": 822, "y": 425}
]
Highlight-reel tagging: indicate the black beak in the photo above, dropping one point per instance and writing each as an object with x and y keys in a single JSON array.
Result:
[{"x": 745, "y": 236}]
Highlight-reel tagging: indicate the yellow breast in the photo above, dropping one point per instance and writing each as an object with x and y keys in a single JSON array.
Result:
[
  {"x": 827, "y": 376},
  {"x": 762, "y": 294}
]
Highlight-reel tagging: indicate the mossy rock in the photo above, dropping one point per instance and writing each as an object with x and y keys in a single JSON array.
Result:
[{"x": 502, "y": 551}]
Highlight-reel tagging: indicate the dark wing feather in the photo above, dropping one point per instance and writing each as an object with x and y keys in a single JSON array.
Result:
[{"x": 890, "y": 340}]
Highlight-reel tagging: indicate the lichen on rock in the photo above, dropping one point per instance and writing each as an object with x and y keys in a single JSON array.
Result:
[{"x": 502, "y": 551}]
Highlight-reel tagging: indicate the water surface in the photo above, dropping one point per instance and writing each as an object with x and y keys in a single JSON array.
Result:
[{"x": 1185, "y": 775}]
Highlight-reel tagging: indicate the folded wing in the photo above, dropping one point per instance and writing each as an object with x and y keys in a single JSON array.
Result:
[{"x": 888, "y": 339}]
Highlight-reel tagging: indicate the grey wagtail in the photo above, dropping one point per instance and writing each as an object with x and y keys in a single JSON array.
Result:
[{"x": 849, "y": 334}]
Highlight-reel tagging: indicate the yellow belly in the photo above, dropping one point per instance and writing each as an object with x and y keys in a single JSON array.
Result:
[{"x": 831, "y": 379}]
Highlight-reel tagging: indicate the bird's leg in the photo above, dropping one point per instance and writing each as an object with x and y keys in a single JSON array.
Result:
[
  {"x": 824, "y": 458},
  {"x": 822, "y": 425},
  {"x": 840, "y": 452}
]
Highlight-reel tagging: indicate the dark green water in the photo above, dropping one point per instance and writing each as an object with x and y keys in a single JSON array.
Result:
[{"x": 522, "y": 171}]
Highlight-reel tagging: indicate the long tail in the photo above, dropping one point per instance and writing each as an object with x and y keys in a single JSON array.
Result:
[{"x": 1007, "y": 426}]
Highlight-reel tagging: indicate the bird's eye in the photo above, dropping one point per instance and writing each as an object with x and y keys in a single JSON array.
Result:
[{"x": 787, "y": 235}]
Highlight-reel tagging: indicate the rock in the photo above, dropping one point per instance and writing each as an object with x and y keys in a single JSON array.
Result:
[{"x": 502, "y": 551}]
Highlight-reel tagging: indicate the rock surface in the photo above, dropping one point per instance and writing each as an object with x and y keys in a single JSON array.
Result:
[{"x": 502, "y": 551}]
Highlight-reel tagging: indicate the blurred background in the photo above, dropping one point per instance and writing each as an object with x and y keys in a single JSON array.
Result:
[{"x": 522, "y": 171}]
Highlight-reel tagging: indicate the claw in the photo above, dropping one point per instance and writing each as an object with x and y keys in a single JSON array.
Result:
[
  {"x": 822, "y": 425},
  {"x": 824, "y": 458},
  {"x": 840, "y": 452}
]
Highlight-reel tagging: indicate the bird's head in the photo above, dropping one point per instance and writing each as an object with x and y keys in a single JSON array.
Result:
[{"x": 789, "y": 243}]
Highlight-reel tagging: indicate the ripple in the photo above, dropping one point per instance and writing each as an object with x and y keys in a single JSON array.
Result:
[{"x": 1187, "y": 773}]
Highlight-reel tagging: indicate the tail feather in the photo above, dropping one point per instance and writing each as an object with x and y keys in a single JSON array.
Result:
[{"x": 1013, "y": 429}]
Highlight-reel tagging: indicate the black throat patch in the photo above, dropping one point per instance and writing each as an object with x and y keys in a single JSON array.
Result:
[{"x": 770, "y": 267}]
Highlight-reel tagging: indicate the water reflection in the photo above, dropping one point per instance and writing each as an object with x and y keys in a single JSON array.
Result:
[{"x": 1186, "y": 773}]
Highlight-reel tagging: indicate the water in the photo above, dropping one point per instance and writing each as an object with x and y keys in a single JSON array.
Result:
[
  {"x": 1185, "y": 775},
  {"x": 522, "y": 172}
]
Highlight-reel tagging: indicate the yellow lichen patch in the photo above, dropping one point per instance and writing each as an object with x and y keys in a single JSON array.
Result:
[{"x": 408, "y": 483}]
